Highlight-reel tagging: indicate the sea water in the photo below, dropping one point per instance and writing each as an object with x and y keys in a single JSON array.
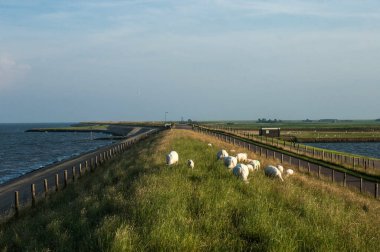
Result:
[
  {"x": 369, "y": 149},
  {"x": 22, "y": 152}
]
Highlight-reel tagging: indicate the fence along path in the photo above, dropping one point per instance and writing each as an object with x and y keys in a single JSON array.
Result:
[
  {"x": 365, "y": 186},
  {"x": 340, "y": 158},
  {"x": 40, "y": 183}
]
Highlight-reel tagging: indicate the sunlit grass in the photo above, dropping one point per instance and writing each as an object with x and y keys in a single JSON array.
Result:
[{"x": 138, "y": 203}]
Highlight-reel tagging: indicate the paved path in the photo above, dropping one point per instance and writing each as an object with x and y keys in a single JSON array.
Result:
[{"x": 23, "y": 183}]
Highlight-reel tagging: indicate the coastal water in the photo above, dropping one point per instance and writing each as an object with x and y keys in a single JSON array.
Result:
[
  {"x": 369, "y": 149},
  {"x": 22, "y": 152}
]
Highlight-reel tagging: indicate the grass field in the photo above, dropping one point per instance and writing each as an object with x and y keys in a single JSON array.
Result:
[{"x": 136, "y": 202}]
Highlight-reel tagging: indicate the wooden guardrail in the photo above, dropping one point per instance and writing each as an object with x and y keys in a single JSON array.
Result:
[
  {"x": 364, "y": 184},
  {"x": 353, "y": 161},
  {"x": 23, "y": 194}
]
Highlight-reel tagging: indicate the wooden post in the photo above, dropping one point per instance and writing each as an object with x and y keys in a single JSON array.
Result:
[
  {"x": 17, "y": 203},
  {"x": 319, "y": 171},
  {"x": 332, "y": 175},
  {"x": 80, "y": 170},
  {"x": 56, "y": 182},
  {"x": 73, "y": 172},
  {"x": 290, "y": 160},
  {"x": 65, "y": 178},
  {"x": 308, "y": 168},
  {"x": 249, "y": 147},
  {"x": 46, "y": 188},
  {"x": 274, "y": 155},
  {"x": 345, "y": 180},
  {"x": 299, "y": 164},
  {"x": 33, "y": 190},
  {"x": 86, "y": 166},
  {"x": 266, "y": 153},
  {"x": 282, "y": 158},
  {"x": 361, "y": 184},
  {"x": 377, "y": 190},
  {"x": 353, "y": 162}
]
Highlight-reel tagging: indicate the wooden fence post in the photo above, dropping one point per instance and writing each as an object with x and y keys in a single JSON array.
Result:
[
  {"x": 73, "y": 172},
  {"x": 46, "y": 188},
  {"x": 308, "y": 168},
  {"x": 332, "y": 175},
  {"x": 282, "y": 158},
  {"x": 299, "y": 164},
  {"x": 33, "y": 190},
  {"x": 377, "y": 190},
  {"x": 266, "y": 153},
  {"x": 345, "y": 180},
  {"x": 17, "y": 203},
  {"x": 80, "y": 170},
  {"x": 56, "y": 182},
  {"x": 319, "y": 171},
  {"x": 274, "y": 155},
  {"x": 65, "y": 179},
  {"x": 361, "y": 184}
]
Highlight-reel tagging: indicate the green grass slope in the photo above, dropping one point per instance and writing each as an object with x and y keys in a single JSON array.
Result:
[{"x": 137, "y": 203}]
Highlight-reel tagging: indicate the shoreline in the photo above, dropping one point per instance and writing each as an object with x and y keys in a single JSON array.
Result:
[{"x": 56, "y": 163}]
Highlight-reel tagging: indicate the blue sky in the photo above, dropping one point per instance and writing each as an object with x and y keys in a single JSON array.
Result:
[{"x": 205, "y": 60}]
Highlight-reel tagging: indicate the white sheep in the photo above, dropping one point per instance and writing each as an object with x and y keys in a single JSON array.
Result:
[
  {"x": 190, "y": 163},
  {"x": 289, "y": 172},
  {"x": 251, "y": 168},
  {"x": 273, "y": 171},
  {"x": 210, "y": 144},
  {"x": 255, "y": 163},
  {"x": 242, "y": 157},
  {"x": 221, "y": 154},
  {"x": 280, "y": 168},
  {"x": 241, "y": 171},
  {"x": 172, "y": 158},
  {"x": 230, "y": 162}
]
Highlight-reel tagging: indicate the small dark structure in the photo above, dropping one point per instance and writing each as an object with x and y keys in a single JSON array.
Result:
[{"x": 269, "y": 132}]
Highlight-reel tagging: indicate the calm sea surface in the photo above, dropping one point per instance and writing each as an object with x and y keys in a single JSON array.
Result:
[
  {"x": 22, "y": 152},
  {"x": 365, "y": 149}
]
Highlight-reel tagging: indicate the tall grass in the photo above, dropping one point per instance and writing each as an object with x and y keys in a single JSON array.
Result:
[{"x": 139, "y": 203}]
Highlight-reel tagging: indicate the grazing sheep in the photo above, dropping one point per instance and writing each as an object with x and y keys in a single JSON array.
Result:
[
  {"x": 210, "y": 144},
  {"x": 280, "y": 168},
  {"x": 273, "y": 171},
  {"x": 289, "y": 172},
  {"x": 241, "y": 171},
  {"x": 172, "y": 158},
  {"x": 251, "y": 168},
  {"x": 242, "y": 157},
  {"x": 221, "y": 154},
  {"x": 255, "y": 163},
  {"x": 230, "y": 162},
  {"x": 190, "y": 163}
]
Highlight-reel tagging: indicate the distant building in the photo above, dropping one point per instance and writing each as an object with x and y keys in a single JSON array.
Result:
[{"x": 269, "y": 132}]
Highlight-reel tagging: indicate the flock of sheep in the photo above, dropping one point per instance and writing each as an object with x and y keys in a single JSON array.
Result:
[{"x": 240, "y": 164}]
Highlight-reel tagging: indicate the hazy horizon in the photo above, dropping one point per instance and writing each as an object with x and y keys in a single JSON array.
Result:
[{"x": 71, "y": 61}]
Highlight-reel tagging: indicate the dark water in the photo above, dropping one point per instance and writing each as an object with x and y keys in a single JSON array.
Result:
[
  {"x": 365, "y": 149},
  {"x": 22, "y": 152}
]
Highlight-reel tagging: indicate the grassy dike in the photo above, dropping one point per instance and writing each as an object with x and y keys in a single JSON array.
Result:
[{"x": 136, "y": 202}]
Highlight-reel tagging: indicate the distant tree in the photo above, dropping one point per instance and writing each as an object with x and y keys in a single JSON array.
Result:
[{"x": 377, "y": 120}]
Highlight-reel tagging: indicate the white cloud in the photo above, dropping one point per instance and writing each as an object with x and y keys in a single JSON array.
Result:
[{"x": 11, "y": 71}]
